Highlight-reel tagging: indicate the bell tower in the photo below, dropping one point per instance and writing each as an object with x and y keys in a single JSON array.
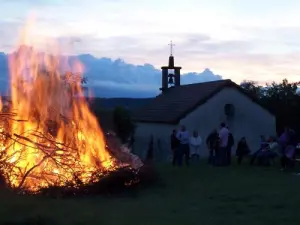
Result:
[{"x": 171, "y": 73}]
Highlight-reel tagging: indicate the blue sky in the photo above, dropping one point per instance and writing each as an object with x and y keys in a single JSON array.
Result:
[{"x": 239, "y": 39}]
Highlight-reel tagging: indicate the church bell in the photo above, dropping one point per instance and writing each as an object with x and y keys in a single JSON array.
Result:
[{"x": 171, "y": 79}]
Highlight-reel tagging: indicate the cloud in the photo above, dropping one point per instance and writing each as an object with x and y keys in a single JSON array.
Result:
[
  {"x": 237, "y": 59},
  {"x": 251, "y": 52},
  {"x": 205, "y": 45},
  {"x": 8, "y": 30},
  {"x": 35, "y": 2},
  {"x": 138, "y": 80},
  {"x": 117, "y": 78},
  {"x": 262, "y": 56}
]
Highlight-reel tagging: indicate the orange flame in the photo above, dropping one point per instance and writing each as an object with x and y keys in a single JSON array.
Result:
[{"x": 55, "y": 137}]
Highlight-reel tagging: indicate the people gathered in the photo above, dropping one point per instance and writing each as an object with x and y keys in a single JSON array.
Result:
[{"x": 187, "y": 147}]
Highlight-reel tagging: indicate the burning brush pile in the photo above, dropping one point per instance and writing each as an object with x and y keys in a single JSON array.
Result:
[{"x": 49, "y": 139}]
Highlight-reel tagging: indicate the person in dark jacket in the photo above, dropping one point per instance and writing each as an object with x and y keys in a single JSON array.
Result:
[
  {"x": 212, "y": 144},
  {"x": 174, "y": 147},
  {"x": 242, "y": 150},
  {"x": 184, "y": 148},
  {"x": 230, "y": 144}
]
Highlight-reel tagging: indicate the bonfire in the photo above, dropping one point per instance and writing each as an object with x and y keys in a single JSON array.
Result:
[{"x": 48, "y": 135}]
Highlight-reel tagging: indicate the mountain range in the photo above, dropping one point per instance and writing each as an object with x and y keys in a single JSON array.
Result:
[{"x": 109, "y": 78}]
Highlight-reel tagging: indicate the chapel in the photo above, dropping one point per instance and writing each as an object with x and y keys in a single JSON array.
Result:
[{"x": 199, "y": 106}]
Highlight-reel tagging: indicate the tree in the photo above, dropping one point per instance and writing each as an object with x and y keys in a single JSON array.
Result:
[
  {"x": 252, "y": 88},
  {"x": 285, "y": 92},
  {"x": 123, "y": 124},
  {"x": 284, "y": 100},
  {"x": 281, "y": 98}
]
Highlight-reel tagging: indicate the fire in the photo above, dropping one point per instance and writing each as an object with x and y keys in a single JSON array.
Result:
[{"x": 49, "y": 136}]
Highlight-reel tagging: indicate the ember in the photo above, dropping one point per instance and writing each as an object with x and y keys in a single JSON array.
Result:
[{"x": 48, "y": 136}]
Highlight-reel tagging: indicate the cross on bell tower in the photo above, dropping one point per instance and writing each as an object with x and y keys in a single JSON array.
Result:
[
  {"x": 171, "y": 48},
  {"x": 170, "y": 72}
]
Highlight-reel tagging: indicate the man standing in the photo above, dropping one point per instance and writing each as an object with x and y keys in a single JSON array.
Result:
[
  {"x": 212, "y": 142},
  {"x": 223, "y": 135},
  {"x": 184, "y": 149},
  {"x": 174, "y": 147},
  {"x": 230, "y": 144}
]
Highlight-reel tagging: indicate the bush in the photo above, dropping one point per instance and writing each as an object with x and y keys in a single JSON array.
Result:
[{"x": 123, "y": 124}]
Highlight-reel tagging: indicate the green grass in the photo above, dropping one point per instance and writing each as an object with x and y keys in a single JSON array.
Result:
[{"x": 197, "y": 195}]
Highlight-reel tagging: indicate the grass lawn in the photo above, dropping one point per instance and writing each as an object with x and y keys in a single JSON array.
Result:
[{"x": 197, "y": 195}]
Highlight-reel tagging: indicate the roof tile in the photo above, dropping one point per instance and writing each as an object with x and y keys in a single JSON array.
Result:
[{"x": 170, "y": 106}]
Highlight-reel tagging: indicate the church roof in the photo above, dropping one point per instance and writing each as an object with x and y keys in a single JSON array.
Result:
[{"x": 177, "y": 102}]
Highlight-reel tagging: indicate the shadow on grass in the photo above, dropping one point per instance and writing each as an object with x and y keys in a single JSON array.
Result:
[
  {"x": 38, "y": 220},
  {"x": 197, "y": 195}
]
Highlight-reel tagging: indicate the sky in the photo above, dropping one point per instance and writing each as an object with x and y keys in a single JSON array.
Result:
[{"x": 238, "y": 39}]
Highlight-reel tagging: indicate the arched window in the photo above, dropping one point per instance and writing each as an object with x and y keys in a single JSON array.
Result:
[{"x": 229, "y": 110}]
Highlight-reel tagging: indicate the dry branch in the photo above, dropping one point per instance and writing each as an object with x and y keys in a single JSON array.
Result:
[{"x": 64, "y": 156}]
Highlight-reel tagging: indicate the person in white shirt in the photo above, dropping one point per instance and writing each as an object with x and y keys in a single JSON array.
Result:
[
  {"x": 184, "y": 149},
  {"x": 222, "y": 151},
  {"x": 223, "y": 135},
  {"x": 195, "y": 143}
]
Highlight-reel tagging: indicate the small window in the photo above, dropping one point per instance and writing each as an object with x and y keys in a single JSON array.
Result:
[{"x": 229, "y": 110}]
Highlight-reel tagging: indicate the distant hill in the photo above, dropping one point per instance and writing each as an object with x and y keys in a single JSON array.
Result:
[
  {"x": 108, "y": 78},
  {"x": 97, "y": 104},
  {"x": 103, "y": 108},
  {"x": 111, "y": 103}
]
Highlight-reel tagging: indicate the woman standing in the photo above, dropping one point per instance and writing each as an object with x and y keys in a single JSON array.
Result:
[{"x": 195, "y": 143}]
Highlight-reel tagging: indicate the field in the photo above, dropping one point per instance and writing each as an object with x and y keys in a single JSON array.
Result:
[{"x": 196, "y": 195}]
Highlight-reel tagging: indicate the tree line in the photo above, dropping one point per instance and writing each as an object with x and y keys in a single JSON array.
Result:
[{"x": 282, "y": 98}]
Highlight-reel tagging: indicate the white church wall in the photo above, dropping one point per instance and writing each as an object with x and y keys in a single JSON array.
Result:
[
  {"x": 250, "y": 119},
  {"x": 161, "y": 140}
]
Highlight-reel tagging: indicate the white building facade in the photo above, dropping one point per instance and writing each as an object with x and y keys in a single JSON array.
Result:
[{"x": 201, "y": 107}]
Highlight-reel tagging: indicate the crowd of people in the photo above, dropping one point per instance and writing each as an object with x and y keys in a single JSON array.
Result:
[{"x": 186, "y": 147}]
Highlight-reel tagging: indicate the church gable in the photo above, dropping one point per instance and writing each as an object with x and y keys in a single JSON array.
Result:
[
  {"x": 229, "y": 104},
  {"x": 177, "y": 102}
]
